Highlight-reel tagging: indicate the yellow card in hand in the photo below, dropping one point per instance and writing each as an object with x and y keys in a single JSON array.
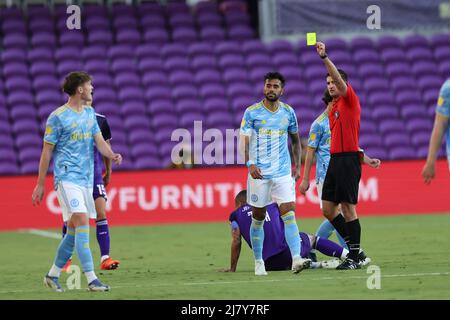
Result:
[{"x": 311, "y": 38}]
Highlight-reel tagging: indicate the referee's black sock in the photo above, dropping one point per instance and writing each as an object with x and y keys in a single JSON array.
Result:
[
  {"x": 354, "y": 232},
  {"x": 340, "y": 225}
]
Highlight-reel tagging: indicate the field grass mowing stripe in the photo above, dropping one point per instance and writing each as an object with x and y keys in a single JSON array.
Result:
[
  {"x": 433, "y": 274},
  {"x": 42, "y": 233}
]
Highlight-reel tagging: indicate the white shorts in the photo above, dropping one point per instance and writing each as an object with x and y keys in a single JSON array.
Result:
[
  {"x": 75, "y": 199},
  {"x": 319, "y": 186},
  {"x": 262, "y": 192}
]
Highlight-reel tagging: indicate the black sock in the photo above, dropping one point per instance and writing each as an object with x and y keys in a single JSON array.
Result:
[
  {"x": 354, "y": 232},
  {"x": 340, "y": 225}
]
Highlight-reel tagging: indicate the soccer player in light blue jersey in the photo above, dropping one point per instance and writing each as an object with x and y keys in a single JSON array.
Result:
[
  {"x": 69, "y": 136},
  {"x": 319, "y": 147},
  {"x": 264, "y": 132},
  {"x": 441, "y": 127}
]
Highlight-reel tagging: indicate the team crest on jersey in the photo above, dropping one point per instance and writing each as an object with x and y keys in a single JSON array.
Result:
[
  {"x": 263, "y": 122},
  {"x": 285, "y": 121},
  {"x": 336, "y": 114},
  {"x": 254, "y": 197},
  {"x": 74, "y": 125},
  {"x": 74, "y": 203}
]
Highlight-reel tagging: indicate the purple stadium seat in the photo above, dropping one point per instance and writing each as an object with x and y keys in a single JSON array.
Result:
[
  {"x": 376, "y": 84},
  {"x": 424, "y": 68},
  {"x": 131, "y": 94},
  {"x": 172, "y": 50},
  {"x": 396, "y": 139},
  {"x": 144, "y": 149},
  {"x": 93, "y": 52},
  {"x": 129, "y": 36},
  {"x": 107, "y": 95},
  {"x": 136, "y": 121},
  {"x": 285, "y": 59},
  {"x": 155, "y": 77},
  {"x": 391, "y": 126},
  {"x": 409, "y": 111},
  {"x": 421, "y": 138},
  {"x": 187, "y": 119},
  {"x": 393, "y": 55},
  {"x": 41, "y": 24},
  {"x": 26, "y": 139},
  {"x": 127, "y": 79},
  {"x": 123, "y": 65},
  {"x": 366, "y": 56},
  {"x": 398, "y": 69},
  {"x": 133, "y": 108},
  {"x": 211, "y": 90},
  {"x": 440, "y": 39},
  {"x": 65, "y": 67},
  {"x": 403, "y": 82},
  {"x": 147, "y": 50},
  {"x": 19, "y": 97},
  {"x": 214, "y": 103},
  {"x": 25, "y": 125},
  {"x": 442, "y": 53},
  {"x": 184, "y": 35},
  {"x": 43, "y": 39},
  {"x": 371, "y": 70},
  {"x": 253, "y": 46},
  {"x": 403, "y": 152},
  {"x": 15, "y": 69},
  {"x": 240, "y": 33},
  {"x": 188, "y": 105},
  {"x": 209, "y": 19},
  {"x": 415, "y": 41},
  {"x": 417, "y": 125},
  {"x": 179, "y": 77},
  {"x": 97, "y": 23},
  {"x": 231, "y": 75},
  {"x": 152, "y": 21},
  {"x": 370, "y": 141},
  {"x": 361, "y": 42},
  {"x": 13, "y": 55},
  {"x": 17, "y": 83},
  {"x": 219, "y": 118},
  {"x": 71, "y": 38},
  {"x": 48, "y": 96},
  {"x": 429, "y": 82},
  {"x": 15, "y": 40},
  {"x": 240, "y": 89},
  {"x": 419, "y": 54},
  {"x": 164, "y": 120},
  {"x": 177, "y": 63},
  {"x": 185, "y": 91},
  {"x": 149, "y": 64},
  {"x": 203, "y": 62},
  {"x": 124, "y": 22},
  {"x": 160, "y": 105},
  {"x": 207, "y": 76},
  {"x": 181, "y": 20},
  {"x": 67, "y": 53},
  {"x": 13, "y": 26},
  {"x": 200, "y": 48},
  {"x": 258, "y": 60},
  {"x": 121, "y": 51},
  {"x": 386, "y": 42},
  {"x": 382, "y": 112},
  {"x": 100, "y": 37},
  {"x": 212, "y": 34},
  {"x": 40, "y": 54}
]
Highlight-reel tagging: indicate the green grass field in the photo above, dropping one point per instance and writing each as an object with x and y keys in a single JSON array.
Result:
[{"x": 181, "y": 262}]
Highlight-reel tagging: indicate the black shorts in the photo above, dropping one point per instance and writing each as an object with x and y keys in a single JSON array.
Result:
[{"x": 342, "y": 180}]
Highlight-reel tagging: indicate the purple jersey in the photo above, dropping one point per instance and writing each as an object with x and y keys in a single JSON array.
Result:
[
  {"x": 98, "y": 160},
  {"x": 274, "y": 241}
]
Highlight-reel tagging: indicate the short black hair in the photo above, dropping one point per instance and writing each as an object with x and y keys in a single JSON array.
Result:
[
  {"x": 275, "y": 75},
  {"x": 342, "y": 73},
  {"x": 327, "y": 98},
  {"x": 241, "y": 196},
  {"x": 73, "y": 80}
]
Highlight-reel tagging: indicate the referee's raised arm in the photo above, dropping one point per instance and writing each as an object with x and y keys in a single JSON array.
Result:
[{"x": 332, "y": 70}]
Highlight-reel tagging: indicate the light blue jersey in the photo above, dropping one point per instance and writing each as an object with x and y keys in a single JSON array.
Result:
[
  {"x": 268, "y": 133},
  {"x": 443, "y": 107},
  {"x": 72, "y": 133},
  {"x": 319, "y": 138}
]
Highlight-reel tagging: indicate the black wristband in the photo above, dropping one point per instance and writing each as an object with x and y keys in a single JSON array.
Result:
[{"x": 323, "y": 57}]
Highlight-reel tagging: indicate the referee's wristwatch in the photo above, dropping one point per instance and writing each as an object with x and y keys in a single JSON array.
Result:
[{"x": 249, "y": 163}]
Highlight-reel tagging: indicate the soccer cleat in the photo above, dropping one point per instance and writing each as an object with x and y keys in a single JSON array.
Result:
[
  {"x": 109, "y": 264},
  {"x": 97, "y": 286},
  {"x": 260, "y": 268},
  {"x": 330, "y": 264},
  {"x": 348, "y": 264},
  {"x": 52, "y": 283},
  {"x": 313, "y": 256},
  {"x": 298, "y": 264},
  {"x": 66, "y": 267},
  {"x": 363, "y": 260}
]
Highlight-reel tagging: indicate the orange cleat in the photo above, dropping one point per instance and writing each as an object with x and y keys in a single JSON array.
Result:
[
  {"x": 109, "y": 264},
  {"x": 66, "y": 267}
]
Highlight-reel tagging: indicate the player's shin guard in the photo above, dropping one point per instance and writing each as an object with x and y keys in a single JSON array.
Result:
[
  {"x": 257, "y": 237},
  {"x": 354, "y": 230},
  {"x": 82, "y": 247},
  {"x": 65, "y": 248},
  {"x": 103, "y": 239},
  {"x": 291, "y": 233}
]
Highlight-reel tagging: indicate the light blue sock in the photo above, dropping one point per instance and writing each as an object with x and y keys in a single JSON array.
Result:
[
  {"x": 325, "y": 231},
  {"x": 291, "y": 233},
  {"x": 257, "y": 237},
  {"x": 82, "y": 247},
  {"x": 65, "y": 248}
]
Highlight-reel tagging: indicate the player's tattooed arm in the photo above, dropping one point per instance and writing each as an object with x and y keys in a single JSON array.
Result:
[
  {"x": 297, "y": 153},
  {"x": 332, "y": 70}
]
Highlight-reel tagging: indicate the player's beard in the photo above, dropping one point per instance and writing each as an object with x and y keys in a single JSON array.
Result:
[{"x": 272, "y": 97}]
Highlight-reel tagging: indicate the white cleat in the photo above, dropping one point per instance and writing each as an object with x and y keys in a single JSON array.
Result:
[
  {"x": 298, "y": 264},
  {"x": 330, "y": 264},
  {"x": 260, "y": 268},
  {"x": 365, "y": 262}
]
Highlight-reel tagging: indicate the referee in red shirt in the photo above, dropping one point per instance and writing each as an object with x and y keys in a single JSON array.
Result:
[{"x": 344, "y": 171}]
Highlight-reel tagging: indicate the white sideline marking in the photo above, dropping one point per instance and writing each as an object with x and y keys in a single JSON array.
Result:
[
  {"x": 433, "y": 274},
  {"x": 42, "y": 233}
]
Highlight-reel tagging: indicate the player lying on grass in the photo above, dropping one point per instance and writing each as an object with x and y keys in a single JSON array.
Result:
[{"x": 276, "y": 254}]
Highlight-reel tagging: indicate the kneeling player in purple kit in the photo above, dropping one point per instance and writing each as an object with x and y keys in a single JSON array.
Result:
[
  {"x": 100, "y": 198},
  {"x": 276, "y": 253}
]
